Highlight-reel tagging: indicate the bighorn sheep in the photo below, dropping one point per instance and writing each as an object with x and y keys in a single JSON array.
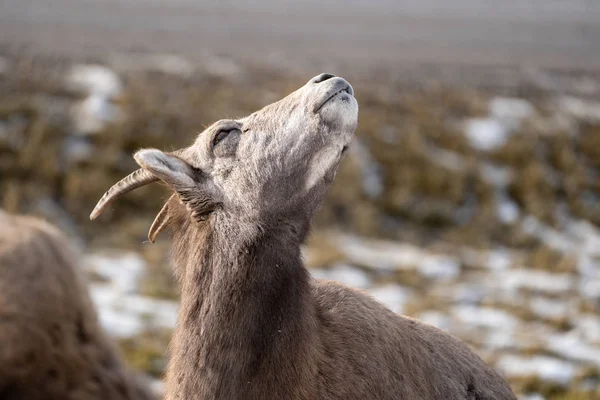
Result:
[
  {"x": 51, "y": 344},
  {"x": 253, "y": 324}
]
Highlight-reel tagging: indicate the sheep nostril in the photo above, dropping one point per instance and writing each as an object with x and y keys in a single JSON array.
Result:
[{"x": 322, "y": 78}]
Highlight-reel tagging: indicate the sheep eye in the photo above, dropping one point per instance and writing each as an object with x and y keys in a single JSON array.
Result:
[{"x": 222, "y": 134}]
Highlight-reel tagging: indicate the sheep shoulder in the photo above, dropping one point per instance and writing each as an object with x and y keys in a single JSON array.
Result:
[{"x": 370, "y": 352}]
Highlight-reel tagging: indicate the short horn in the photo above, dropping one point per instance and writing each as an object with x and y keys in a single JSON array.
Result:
[{"x": 132, "y": 181}]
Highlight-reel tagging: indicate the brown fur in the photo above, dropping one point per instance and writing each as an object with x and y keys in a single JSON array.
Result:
[
  {"x": 51, "y": 344},
  {"x": 253, "y": 324}
]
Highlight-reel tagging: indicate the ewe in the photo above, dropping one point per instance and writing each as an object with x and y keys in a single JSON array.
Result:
[{"x": 253, "y": 324}]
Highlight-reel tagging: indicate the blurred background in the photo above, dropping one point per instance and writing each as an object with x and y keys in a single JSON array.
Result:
[{"x": 470, "y": 198}]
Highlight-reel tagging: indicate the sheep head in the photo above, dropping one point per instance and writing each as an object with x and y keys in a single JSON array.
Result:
[{"x": 275, "y": 163}]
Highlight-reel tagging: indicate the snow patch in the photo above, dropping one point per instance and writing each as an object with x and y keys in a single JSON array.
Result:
[
  {"x": 588, "y": 326},
  {"x": 124, "y": 314},
  {"x": 549, "y": 308},
  {"x": 579, "y": 109},
  {"x": 95, "y": 79},
  {"x": 505, "y": 116},
  {"x": 510, "y": 111},
  {"x": 93, "y": 113},
  {"x": 536, "y": 280},
  {"x": 570, "y": 345},
  {"x": 390, "y": 256},
  {"x": 485, "y": 317},
  {"x": 435, "y": 318},
  {"x": 102, "y": 85},
  {"x": 547, "y": 368},
  {"x": 345, "y": 274},
  {"x": 486, "y": 134},
  {"x": 590, "y": 288},
  {"x": 392, "y": 296},
  {"x": 439, "y": 267},
  {"x": 507, "y": 210},
  {"x": 123, "y": 270}
]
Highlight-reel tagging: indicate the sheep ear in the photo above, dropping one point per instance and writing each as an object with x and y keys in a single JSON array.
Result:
[
  {"x": 171, "y": 169},
  {"x": 194, "y": 190}
]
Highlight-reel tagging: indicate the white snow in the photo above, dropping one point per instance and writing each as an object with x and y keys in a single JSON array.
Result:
[
  {"x": 533, "y": 396},
  {"x": 92, "y": 114},
  {"x": 547, "y": 368},
  {"x": 439, "y": 267},
  {"x": 379, "y": 254},
  {"x": 588, "y": 326},
  {"x": 392, "y": 296},
  {"x": 590, "y": 288},
  {"x": 570, "y": 345},
  {"x": 468, "y": 293},
  {"x": 486, "y": 134},
  {"x": 578, "y": 238},
  {"x": 102, "y": 85},
  {"x": 495, "y": 259},
  {"x": 485, "y": 317},
  {"x": 435, "y": 318},
  {"x": 95, "y": 79},
  {"x": 388, "y": 255},
  {"x": 122, "y": 269},
  {"x": 507, "y": 210},
  {"x": 536, "y": 280},
  {"x": 116, "y": 320},
  {"x": 157, "y": 387},
  {"x": 505, "y": 116},
  {"x": 119, "y": 324},
  {"x": 318, "y": 273},
  {"x": 500, "y": 340},
  {"x": 548, "y": 308},
  {"x": 499, "y": 259},
  {"x": 579, "y": 108},
  {"x": 345, "y": 274},
  {"x": 164, "y": 312},
  {"x": 510, "y": 111},
  {"x": 122, "y": 312}
]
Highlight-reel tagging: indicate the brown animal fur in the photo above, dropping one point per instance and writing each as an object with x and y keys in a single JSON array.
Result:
[
  {"x": 253, "y": 324},
  {"x": 51, "y": 344}
]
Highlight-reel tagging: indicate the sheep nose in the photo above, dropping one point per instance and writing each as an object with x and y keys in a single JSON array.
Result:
[{"x": 321, "y": 78}]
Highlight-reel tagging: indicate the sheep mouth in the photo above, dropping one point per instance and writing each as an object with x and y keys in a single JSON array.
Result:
[{"x": 346, "y": 89}]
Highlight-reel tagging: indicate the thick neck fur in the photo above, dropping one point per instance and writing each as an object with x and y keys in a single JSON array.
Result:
[{"x": 247, "y": 327}]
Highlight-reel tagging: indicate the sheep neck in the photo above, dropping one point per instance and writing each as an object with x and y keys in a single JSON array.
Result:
[{"x": 246, "y": 315}]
